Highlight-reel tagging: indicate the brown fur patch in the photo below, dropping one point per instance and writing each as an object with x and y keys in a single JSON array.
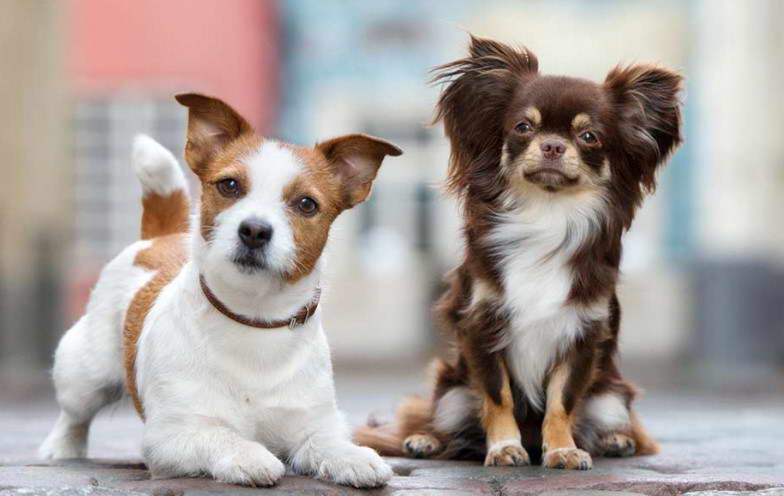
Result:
[
  {"x": 165, "y": 257},
  {"x": 226, "y": 164},
  {"x": 533, "y": 115},
  {"x": 355, "y": 159},
  {"x": 311, "y": 231},
  {"x": 163, "y": 215},
  {"x": 581, "y": 121}
]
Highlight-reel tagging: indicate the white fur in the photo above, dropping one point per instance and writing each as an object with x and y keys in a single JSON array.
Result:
[
  {"x": 219, "y": 397},
  {"x": 608, "y": 412},
  {"x": 88, "y": 364},
  {"x": 537, "y": 236},
  {"x": 500, "y": 445},
  {"x": 453, "y": 408},
  {"x": 156, "y": 167}
]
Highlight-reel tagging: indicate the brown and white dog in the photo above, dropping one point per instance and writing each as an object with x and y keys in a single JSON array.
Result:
[
  {"x": 549, "y": 171},
  {"x": 216, "y": 333}
]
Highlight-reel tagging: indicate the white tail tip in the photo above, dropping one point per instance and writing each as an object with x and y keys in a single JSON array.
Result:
[{"x": 156, "y": 167}]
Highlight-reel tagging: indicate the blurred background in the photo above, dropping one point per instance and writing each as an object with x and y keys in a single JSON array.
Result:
[{"x": 703, "y": 285}]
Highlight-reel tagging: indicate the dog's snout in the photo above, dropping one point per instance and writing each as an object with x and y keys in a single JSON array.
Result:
[
  {"x": 552, "y": 149},
  {"x": 255, "y": 233}
]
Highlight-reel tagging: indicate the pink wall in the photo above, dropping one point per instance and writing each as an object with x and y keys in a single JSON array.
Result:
[{"x": 226, "y": 48}]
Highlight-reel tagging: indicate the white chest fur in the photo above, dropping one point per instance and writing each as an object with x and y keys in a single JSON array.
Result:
[
  {"x": 536, "y": 243},
  {"x": 267, "y": 384}
]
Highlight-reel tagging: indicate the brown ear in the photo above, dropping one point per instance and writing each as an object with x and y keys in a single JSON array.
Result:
[
  {"x": 473, "y": 104},
  {"x": 647, "y": 99},
  {"x": 212, "y": 124},
  {"x": 355, "y": 160}
]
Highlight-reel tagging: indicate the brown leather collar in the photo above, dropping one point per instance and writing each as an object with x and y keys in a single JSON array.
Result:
[{"x": 295, "y": 321}]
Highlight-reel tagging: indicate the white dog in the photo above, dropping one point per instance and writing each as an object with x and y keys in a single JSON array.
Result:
[{"x": 216, "y": 334}]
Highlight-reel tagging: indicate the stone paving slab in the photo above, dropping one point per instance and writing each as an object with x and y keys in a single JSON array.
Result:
[
  {"x": 413, "y": 477},
  {"x": 710, "y": 446}
]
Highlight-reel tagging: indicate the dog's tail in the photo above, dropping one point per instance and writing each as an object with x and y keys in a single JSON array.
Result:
[
  {"x": 382, "y": 438},
  {"x": 646, "y": 445},
  {"x": 166, "y": 207},
  {"x": 413, "y": 416}
]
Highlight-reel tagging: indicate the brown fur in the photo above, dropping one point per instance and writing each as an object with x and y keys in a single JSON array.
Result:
[
  {"x": 497, "y": 110},
  {"x": 311, "y": 232},
  {"x": 164, "y": 215},
  {"x": 165, "y": 257},
  {"x": 226, "y": 164}
]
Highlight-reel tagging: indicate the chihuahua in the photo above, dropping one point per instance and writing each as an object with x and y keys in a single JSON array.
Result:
[{"x": 549, "y": 171}]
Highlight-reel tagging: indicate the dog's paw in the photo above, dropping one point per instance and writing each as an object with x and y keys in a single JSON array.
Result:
[
  {"x": 253, "y": 466},
  {"x": 569, "y": 458},
  {"x": 421, "y": 446},
  {"x": 507, "y": 454},
  {"x": 617, "y": 445},
  {"x": 358, "y": 466}
]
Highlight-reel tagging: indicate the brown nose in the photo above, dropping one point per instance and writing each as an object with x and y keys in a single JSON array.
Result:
[{"x": 552, "y": 149}]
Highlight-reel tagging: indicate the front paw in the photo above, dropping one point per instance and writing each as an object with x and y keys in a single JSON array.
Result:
[
  {"x": 253, "y": 466},
  {"x": 507, "y": 454},
  {"x": 359, "y": 467},
  {"x": 570, "y": 458}
]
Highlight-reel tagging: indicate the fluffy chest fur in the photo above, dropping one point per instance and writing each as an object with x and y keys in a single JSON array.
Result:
[
  {"x": 194, "y": 361},
  {"x": 535, "y": 244}
]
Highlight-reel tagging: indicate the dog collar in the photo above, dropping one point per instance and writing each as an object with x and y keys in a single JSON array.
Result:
[{"x": 296, "y": 320}]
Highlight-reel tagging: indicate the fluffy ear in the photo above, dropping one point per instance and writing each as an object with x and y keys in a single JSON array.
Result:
[
  {"x": 648, "y": 103},
  {"x": 474, "y": 102},
  {"x": 355, "y": 160},
  {"x": 212, "y": 124}
]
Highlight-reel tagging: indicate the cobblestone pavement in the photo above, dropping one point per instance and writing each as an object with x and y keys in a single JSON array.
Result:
[{"x": 711, "y": 445}]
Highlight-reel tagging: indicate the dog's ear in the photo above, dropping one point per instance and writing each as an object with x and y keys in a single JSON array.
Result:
[
  {"x": 647, "y": 99},
  {"x": 212, "y": 124},
  {"x": 474, "y": 103},
  {"x": 355, "y": 160}
]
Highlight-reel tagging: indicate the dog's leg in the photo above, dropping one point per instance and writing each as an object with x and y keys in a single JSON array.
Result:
[
  {"x": 558, "y": 444},
  {"x": 504, "y": 445},
  {"x": 195, "y": 445},
  {"x": 87, "y": 377},
  {"x": 328, "y": 454},
  {"x": 503, "y": 438}
]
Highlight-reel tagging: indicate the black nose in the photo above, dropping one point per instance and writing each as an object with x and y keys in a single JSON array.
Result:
[
  {"x": 552, "y": 149},
  {"x": 255, "y": 233}
]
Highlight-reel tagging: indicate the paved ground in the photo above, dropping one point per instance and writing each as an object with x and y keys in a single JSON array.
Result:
[{"x": 710, "y": 443}]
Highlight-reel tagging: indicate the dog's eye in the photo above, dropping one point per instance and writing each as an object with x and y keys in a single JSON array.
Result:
[
  {"x": 307, "y": 205},
  {"x": 230, "y": 188},
  {"x": 589, "y": 138},
  {"x": 524, "y": 128}
]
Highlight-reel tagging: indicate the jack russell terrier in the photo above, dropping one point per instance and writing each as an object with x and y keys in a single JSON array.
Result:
[{"x": 213, "y": 327}]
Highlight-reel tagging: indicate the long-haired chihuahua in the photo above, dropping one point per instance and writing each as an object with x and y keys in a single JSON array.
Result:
[{"x": 549, "y": 171}]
